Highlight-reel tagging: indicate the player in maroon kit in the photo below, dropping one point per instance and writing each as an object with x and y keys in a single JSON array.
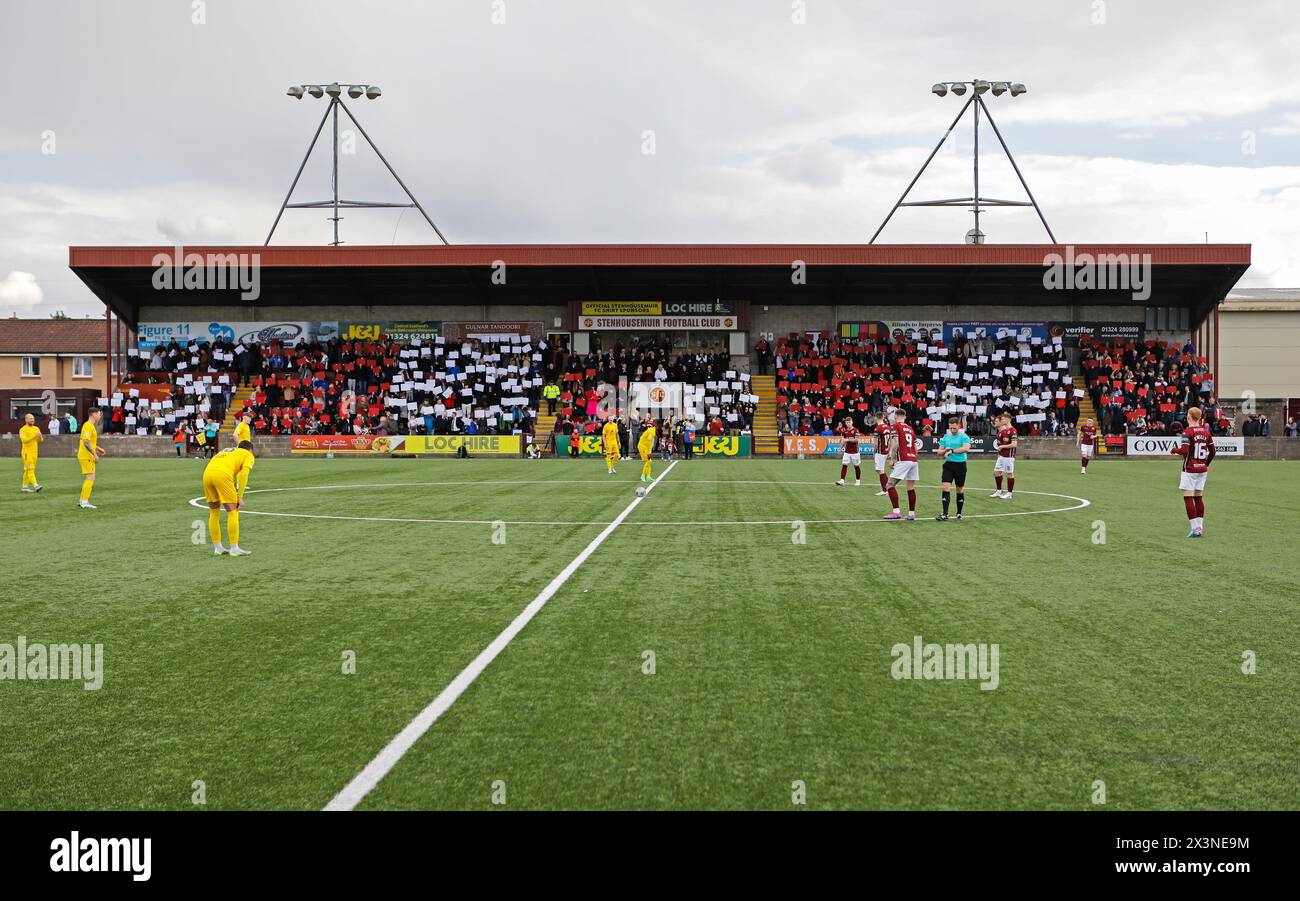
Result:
[
  {"x": 1197, "y": 450},
  {"x": 882, "y": 431},
  {"x": 902, "y": 447},
  {"x": 851, "y": 455},
  {"x": 1005, "y": 464},
  {"x": 1086, "y": 443}
]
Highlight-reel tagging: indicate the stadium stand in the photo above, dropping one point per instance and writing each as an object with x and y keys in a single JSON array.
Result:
[
  {"x": 820, "y": 381},
  {"x": 1145, "y": 387}
]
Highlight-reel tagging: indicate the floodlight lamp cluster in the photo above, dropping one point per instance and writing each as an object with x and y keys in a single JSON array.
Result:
[
  {"x": 979, "y": 86},
  {"x": 355, "y": 91}
]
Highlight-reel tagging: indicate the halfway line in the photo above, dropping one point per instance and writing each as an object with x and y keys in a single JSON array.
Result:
[{"x": 377, "y": 769}]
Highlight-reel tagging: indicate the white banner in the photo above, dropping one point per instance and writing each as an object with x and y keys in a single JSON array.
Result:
[
  {"x": 1163, "y": 446},
  {"x": 649, "y": 397}
]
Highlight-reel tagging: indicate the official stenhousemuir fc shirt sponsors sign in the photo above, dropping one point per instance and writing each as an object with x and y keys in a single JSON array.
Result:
[
  {"x": 1163, "y": 446},
  {"x": 658, "y": 308}
]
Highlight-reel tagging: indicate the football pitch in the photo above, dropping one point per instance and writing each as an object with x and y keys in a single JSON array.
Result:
[{"x": 732, "y": 640}]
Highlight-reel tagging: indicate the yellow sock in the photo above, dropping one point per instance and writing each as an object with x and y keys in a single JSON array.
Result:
[
  {"x": 214, "y": 524},
  {"x": 645, "y": 469},
  {"x": 86, "y": 486},
  {"x": 232, "y": 526}
]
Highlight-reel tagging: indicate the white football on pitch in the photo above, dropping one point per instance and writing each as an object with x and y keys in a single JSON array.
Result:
[{"x": 640, "y": 492}]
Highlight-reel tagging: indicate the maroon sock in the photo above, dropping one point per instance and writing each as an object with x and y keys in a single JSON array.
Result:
[
  {"x": 1011, "y": 484},
  {"x": 893, "y": 497},
  {"x": 1200, "y": 505},
  {"x": 911, "y": 500},
  {"x": 1085, "y": 462},
  {"x": 857, "y": 473},
  {"x": 1190, "y": 503},
  {"x": 997, "y": 477},
  {"x": 884, "y": 481},
  {"x": 844, "y": 468}
]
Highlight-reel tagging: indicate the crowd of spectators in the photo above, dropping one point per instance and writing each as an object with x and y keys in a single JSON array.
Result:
[
  {"x": 820, "y": 381},
  {"x": 490, "y": 385},
  {"x": 1145, "y": 387},
  {"x": 583, "y": 381}
]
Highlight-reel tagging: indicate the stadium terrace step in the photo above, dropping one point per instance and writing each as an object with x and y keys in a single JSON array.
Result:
[
  {"x": 766, "y": 435},
  {"x": 242, "y": 395},
  {"x": 1086, "y": 409}
]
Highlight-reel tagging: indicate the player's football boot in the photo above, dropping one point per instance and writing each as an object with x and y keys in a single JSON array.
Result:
[
  {"x": 86, "y": 505},
  {"x": 37, "y": 487},
  {"x": 911, "y": 517},
  {"x": 958, "y": 517},
  {"x": 218, "y": 550},
  {"x": 997, "y": 493},
  {"x": 25, "y": 490},
  {"x": 943, "y": 517},
  {"x": 882, "y": 494},
  {"x": 839, "y": 484},
  {"x": 1006, "y": 496},
  {"x": 1193, "y": 534},
  {"x": 856, "y": 484},
  {"x": 892, "y": 516},
  {"x": 238, "y": 551}
]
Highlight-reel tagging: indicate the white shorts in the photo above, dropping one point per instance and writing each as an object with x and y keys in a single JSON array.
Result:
[
  {"x": 881, "y": 460},
  {"x": 1192, "y": 481},
  {"x": 853, "y": 459},
  {"x": 1004, "y": 464},
  {"x": 1086, "y": 449},
  {"x": 906, "y": 471}
]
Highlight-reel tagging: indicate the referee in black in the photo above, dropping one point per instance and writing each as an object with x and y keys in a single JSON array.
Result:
[{"x": 954, "y": 445}]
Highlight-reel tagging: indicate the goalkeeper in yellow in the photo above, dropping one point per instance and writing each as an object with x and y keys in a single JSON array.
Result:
[
  {"x": 645, "y": 446},
  {"x": 31, "y": 438},
  {"x": 224, "y": 480},
  {"x": 609, "y": 435}
]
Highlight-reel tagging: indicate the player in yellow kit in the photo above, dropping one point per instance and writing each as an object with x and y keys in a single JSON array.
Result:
[
  {"x": 88, "y": 454},
  {"x": 243, "y": 428},
  {"x": 645, "y": 446},
  {"x": 31, "y": 437},
  {"x": 224, "y": 480},
  {"x": 609, "y": 434}
]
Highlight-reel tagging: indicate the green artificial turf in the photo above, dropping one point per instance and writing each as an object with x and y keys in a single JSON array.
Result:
[{"x": 1119, "y": 661}]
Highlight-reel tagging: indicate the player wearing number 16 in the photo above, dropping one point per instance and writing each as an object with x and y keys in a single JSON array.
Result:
[{"x": 1197, "y": 451}]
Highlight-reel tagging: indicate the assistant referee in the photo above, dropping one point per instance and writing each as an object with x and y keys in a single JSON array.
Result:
[{"x": 954, "y": 445}]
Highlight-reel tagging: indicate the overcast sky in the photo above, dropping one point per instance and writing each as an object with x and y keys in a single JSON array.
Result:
[{"x": 168, "y": 122}]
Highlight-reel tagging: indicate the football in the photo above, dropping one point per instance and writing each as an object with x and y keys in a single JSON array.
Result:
[{"x": 640, "y": 492}]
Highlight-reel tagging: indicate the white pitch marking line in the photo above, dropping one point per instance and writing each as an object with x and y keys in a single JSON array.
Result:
[
  {"x": 201, "y": 503},
  {"x": 377, "y": 769}
]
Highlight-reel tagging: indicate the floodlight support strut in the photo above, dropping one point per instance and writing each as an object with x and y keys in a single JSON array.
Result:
[
  {"x": 335, "y": 104},
  {"x": 975, "y": 200}
]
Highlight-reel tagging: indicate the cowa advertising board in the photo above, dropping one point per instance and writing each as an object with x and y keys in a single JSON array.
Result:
[{"x": 1163, "y": 446}]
